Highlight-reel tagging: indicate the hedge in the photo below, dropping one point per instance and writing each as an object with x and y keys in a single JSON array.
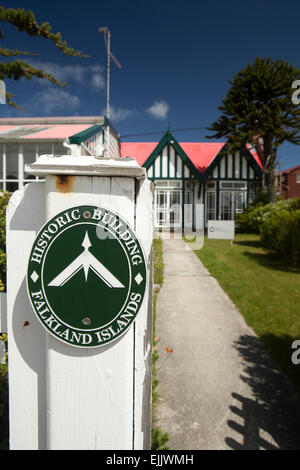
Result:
[
  {"x": 252, "y": 219},
  {"x": 280, "y": 235},
  {"x": 4, "y": 198},
  {"x": 278, "y": 225}
]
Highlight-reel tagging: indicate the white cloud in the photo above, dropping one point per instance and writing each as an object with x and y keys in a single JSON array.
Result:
[
  {"x": 159, "y": 109},
  {"x": 51, "y": 99},
  {"x": 98, "y": 82},
  {"x": 90, "y": 75},
  {"x": 119, "y": 114}
]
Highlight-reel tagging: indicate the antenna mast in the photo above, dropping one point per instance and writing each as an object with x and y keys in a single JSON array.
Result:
[{"x": 107, "y": 37}]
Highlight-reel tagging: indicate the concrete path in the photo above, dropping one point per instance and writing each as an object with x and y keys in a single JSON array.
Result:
[{"x": 219, "y": 389}]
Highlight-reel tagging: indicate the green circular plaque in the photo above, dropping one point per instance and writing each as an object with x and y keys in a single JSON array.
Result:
[{"x": 86, "y": 276}]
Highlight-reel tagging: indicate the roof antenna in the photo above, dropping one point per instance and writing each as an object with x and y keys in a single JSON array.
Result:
[{"x": 107, "y": 37}]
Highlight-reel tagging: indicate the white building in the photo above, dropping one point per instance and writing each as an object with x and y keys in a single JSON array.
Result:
[
  {"x": 23, "y": 140},
  {"x": 188, "y": 175}
]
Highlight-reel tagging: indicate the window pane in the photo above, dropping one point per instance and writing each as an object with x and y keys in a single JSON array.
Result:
[
  {"x": 29, "y": 153},
  {"x": 233, "y": 185},
  {"x": 211, "y": 205},
  {"x": 45, "y": 148},
  {"x": 239, "y": 200},
  {"x": 226, "y": 205},
  {"x": 12, "y": 160},
  {"x": 59, "y": 149}
]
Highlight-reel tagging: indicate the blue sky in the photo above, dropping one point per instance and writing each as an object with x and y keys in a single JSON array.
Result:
[{"x": 177, "y": 58}]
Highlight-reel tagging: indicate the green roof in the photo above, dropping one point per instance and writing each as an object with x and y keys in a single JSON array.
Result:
[{"x": 86, "y": 134}]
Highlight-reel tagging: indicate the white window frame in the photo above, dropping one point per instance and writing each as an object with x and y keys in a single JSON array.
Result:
[
  {"x": 211, "y": 213},
  {"x": 176, "y": 184},
  {"x": 232, "y": 210},
  {"x": 233, "y": 185}
]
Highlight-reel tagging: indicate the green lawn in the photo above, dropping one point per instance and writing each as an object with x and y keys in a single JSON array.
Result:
[
  {"x": 266, "y": 292},
  {"x": 158, "y": 261}
]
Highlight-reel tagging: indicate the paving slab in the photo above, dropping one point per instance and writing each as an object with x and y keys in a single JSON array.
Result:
[{"x": 219, "y": 389}]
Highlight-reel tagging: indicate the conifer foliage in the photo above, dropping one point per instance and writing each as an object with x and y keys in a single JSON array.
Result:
[
  {"x": 259, "y": 108},
  {"x": 25, "y": 21}
]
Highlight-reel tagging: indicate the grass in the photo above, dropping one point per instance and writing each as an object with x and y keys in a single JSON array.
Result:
[
  {"x": 265, "y": 290},
  {"x": 159, "y": 438},
  {"x": 158, "y": 261}
]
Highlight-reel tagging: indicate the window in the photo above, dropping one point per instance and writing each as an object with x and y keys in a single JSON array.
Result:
[
  {"x": 298, "y": 178},
  {"x": 168, "y": 184},
  {"x": 232, "y": 203},
  {"x": 13, "y": 157},
  {"x": 188, "y": 208},
  {"x": 233, "y": 185},
  {"x": 211, "y": 205}
]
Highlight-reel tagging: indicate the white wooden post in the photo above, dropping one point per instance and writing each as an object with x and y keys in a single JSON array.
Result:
[
  {"x": 27, "y": 366},
  {"x": 62, "y": 397}
]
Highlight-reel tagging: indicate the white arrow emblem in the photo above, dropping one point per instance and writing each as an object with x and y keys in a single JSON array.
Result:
[{"x": 86, "y": 261}]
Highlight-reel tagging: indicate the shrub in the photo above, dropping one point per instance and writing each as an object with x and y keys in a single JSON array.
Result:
[
  {"x": 279, "y": 226},
  {"x": 255, "y": 216},
  {"x": 250, "y": 220},
  {"x": 280, "y": 235},
  {"x": 4, "y": 198},
  {"x": 261, "y": 199}
]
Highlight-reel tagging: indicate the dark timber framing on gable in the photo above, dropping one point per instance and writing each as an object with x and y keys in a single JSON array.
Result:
[
  {"x": 237, "y": 171},
  {"x": 169, "y": 141},
  {"x": 187, "y": 170}
]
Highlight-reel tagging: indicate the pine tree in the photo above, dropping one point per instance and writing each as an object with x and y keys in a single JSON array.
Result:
[
  {"x": 259, "y": 105},
  {"x": 25, "y": 21}
]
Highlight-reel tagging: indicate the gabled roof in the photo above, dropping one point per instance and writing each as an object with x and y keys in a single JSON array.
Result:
[
  {"x": 255, "y": 155},
  {"x": 168, "y": 139},
  {"x": 290, "y": 170},
  {"x": 201, "y": 154},
  {"x": 138, "y": 150}
]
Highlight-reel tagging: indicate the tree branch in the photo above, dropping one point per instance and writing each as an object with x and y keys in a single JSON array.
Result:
[
  {"x": 25, "y": 21},
  {"x": 19, "y": 69}
]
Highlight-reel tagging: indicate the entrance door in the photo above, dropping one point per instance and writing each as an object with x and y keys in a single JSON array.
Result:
[{"x": 167, "y": 207}]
